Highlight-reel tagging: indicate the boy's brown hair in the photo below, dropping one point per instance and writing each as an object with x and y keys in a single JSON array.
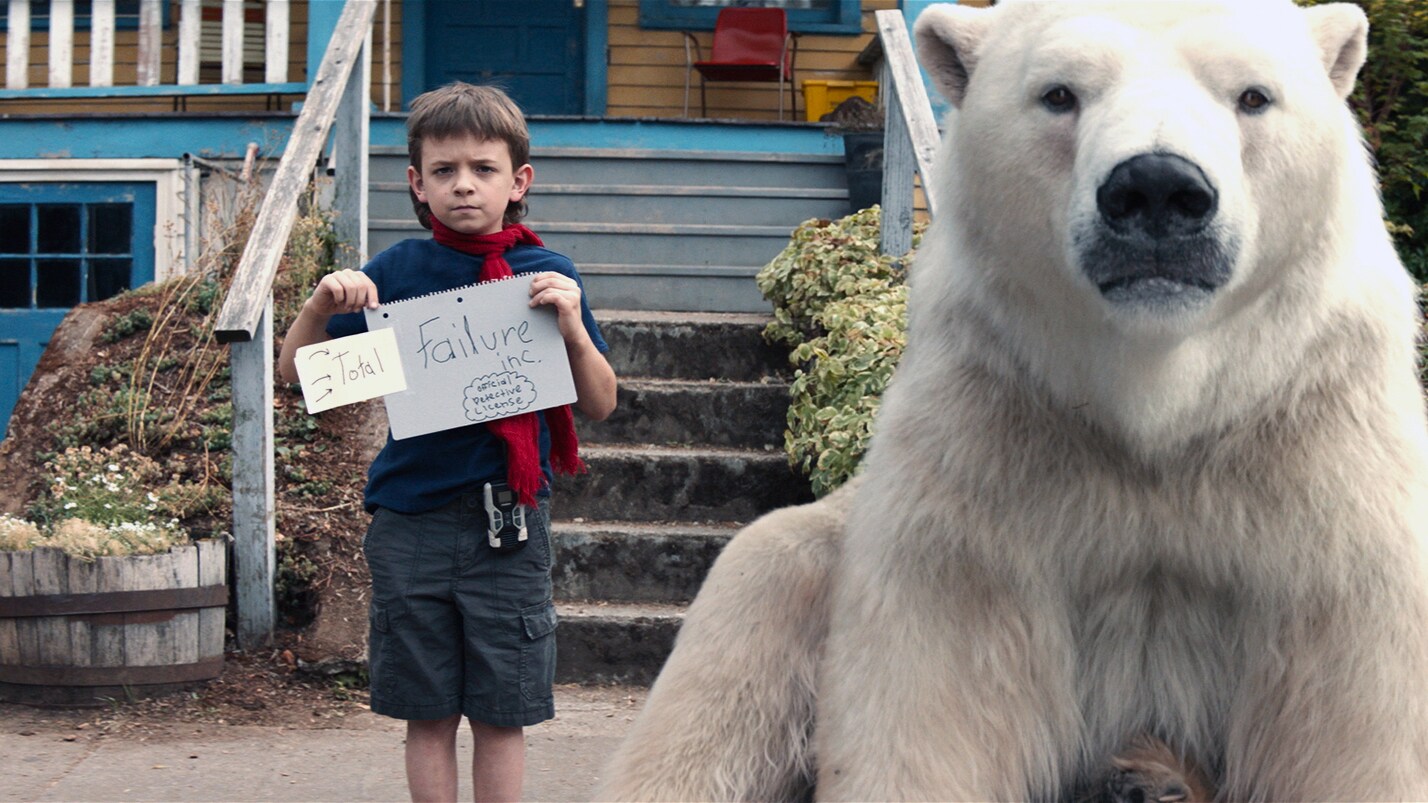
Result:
[{"x": 457, "y": 109}]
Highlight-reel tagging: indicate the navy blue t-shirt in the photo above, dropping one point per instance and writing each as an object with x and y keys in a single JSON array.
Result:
[{"x": 422, "y": 473}]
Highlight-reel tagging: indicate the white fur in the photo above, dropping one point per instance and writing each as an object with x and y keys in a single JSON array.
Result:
[
  {"x": 1084, "y": 520},
  {"x": 731, "y": 715}
]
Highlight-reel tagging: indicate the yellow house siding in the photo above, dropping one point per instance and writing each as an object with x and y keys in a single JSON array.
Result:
[{"x": 647, "y": 69}]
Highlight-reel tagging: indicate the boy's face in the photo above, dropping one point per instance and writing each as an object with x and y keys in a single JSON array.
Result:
[{"x": 468, "y": 182}]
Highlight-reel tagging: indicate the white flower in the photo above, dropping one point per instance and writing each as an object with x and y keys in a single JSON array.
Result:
[
  {"x": 70, "y": 505},
  {"x": 114, "y": 467}
]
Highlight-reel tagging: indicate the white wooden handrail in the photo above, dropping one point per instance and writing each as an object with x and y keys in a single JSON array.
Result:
[
  {"x": 910, "y": 135},
  {"x": 253, "y": 280},
  {"x": 339, "y": 92}
]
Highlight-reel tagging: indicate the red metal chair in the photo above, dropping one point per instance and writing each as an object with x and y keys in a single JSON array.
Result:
[{"x": 750, "y": 44}]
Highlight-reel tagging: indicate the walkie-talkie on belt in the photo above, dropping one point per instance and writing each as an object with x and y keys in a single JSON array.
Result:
[{"x": 505, "y": 518}]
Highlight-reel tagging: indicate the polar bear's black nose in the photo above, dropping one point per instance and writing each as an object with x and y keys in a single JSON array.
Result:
[{"x": 1157, "y": 195}]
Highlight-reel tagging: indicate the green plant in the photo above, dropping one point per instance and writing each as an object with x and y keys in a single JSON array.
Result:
[
  {"x": 293, "y": 579},
  {"x": 130, "y": 323},
  {"x": 150, "y": 425},
  {"x": 95, "y": 496},
  {"x": 312, "y": 253},
  {"x": 836, "y": 395},
  {"x": 825, "y": 260},
  {"x": 842, "y": 308}
]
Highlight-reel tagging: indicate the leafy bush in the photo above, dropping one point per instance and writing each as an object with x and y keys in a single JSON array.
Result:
[
  {"x": 110, "y": 501},
  {"x": 825, "y": 261},
  {"x": 1391, "y": 101},
  {"x": 842, "y": 308}
]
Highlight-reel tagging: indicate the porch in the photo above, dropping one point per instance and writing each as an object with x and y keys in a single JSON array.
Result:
[{"x": 750, "y": 181}]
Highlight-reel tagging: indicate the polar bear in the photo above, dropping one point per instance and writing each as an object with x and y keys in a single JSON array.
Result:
[{"x": 1154, "y": 462}]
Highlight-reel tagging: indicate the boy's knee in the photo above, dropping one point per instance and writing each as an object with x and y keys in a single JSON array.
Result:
[
  {"x": 433, "y": 727},
  {"x": 481, "y": 729}
]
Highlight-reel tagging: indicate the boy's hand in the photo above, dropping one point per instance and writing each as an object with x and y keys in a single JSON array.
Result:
[
  {"x": 343, "y": 291},
  {"x": 563, "y": 293},
  {"x": 594, "y": 380}
]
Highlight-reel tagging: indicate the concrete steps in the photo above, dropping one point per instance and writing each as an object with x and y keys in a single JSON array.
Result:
[
  {"x": 696, "y": 412},
  {"x": 602, "y": 642},
  {"x": 652, "y": 229},
  {"x": 693, "y": 452}
]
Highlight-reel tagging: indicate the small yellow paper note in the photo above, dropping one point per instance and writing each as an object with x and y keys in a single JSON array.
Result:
[{"x": 350, "y": 369}]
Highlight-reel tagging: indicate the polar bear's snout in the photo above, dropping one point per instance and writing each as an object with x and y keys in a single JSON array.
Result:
[
  {"x": 1156, "y": 195},
  {"x": 1154, "y": 241}
]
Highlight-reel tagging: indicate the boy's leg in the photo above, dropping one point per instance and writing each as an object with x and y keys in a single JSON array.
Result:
[
  {"x": 431, "y": 758},
  {"x": 498, "y": 762}
]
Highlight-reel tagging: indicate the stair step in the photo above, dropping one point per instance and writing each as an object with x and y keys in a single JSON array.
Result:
[
  {"x": 649, "y": 166},
  {"x": 650, "y": 203},
  {"x": 690, "y": 345},
  {"x": 634, "y": 561},
  {"x": 600, "y": 642},
  {"x": 632, "y": 243},
  {"x": 681, "y": 289},
  {"x": 745, "y": 415},
  {"x": 661, "y": 483},
  {"x": 785, "y": 212}
]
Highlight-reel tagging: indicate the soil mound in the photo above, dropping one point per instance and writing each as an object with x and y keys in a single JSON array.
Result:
[{"x": 142, "y": 370}]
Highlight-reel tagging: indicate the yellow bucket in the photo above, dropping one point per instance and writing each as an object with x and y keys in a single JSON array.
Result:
[{"x": 821, "y": 97}]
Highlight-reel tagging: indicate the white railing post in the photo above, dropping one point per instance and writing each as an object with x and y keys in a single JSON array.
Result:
[
  {"x": 190, "y": 28},
  {"x": 61, "y": 43},
  {"x": 245, "y": 321},
  {"x": 911, "y": 134},
  {"x": 254, "y": 550},
  {"x": 233, "y": 41},
  {"x": 349, "y": 156},
  {"x": 17, "y": 46},
  {"x": 275, "y": 42},
  {"x": 101, "y": 43},
  {"x": 898, "y": 171},
  {"x": 151, "y": 42}
]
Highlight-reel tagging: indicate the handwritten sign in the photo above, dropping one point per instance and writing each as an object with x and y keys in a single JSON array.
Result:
[
  {"x": 349, "y": 369},
  {"x": 473, "y": 354}
]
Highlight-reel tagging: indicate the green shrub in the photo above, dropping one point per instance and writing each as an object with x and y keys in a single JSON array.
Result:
[
  {"x": 825, "y": 261},
  {"x": 131, "y": 323},
  {"x": 842, "y": 308}
]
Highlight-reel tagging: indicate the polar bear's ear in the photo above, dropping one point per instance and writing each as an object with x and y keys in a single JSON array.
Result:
[
  {"x": 948, "y": 40},
  {"x": 1341, "y": 31}
]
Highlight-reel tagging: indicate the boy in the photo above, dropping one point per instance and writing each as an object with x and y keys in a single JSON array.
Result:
[{"x": 458, "y": 627}]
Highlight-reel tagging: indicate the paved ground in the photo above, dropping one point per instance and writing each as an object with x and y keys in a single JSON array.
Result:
[{"x": 49, "y": 756}]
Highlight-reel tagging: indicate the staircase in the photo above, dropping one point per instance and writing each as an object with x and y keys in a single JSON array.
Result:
[
  {"x": 652, "y": 229},
  {"x": 668, "y": 243},
  {"x": 692, "y": 452}
]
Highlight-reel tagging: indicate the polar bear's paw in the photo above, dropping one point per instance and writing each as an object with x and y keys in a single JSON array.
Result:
[{"x": 1148, "y": 771}]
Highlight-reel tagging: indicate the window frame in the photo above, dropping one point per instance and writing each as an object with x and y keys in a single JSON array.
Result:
[
  {"x": 140, "y": 196},
  {"x": 841, "y": 18},
  {"x": 164, "y": 175}
]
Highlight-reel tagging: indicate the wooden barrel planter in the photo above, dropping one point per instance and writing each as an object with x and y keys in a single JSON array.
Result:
[{"x": 80, "y": 633}]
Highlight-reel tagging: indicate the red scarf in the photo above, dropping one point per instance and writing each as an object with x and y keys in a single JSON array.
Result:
[{"x": 521, "y": 433}]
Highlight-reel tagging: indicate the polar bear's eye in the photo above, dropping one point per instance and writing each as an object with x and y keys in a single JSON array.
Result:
[
  {"x": 1253, "y": 101},
  {"x": 1059, "y": 99}
]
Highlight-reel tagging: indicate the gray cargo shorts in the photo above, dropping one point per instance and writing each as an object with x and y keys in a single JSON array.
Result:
[{"x": 456, "y": 626}]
